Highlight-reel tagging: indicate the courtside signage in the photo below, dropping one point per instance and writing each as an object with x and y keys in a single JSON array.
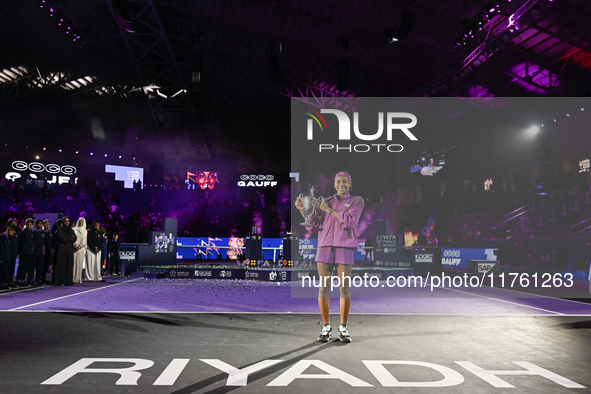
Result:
[{"x": 383, "y": 372}]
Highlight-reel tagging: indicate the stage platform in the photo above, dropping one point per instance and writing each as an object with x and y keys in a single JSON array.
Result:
[{"x": 188, "y": 335}]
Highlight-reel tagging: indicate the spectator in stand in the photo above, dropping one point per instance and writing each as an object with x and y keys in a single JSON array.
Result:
[
  {"x": 543, "y": 254},
  {"x": 523, "y": 225},
  {"x": 44, "y": 191},
  {"x": 50, "y": 194},
  {"x": 48, "y": 244},
  {"x": 5, "y": 259},
  {"x": 562, "y": 263},
  {"x": 26, "y": 265},
  {"x": 82, "y": 196},
  {"x": 79, "y": 249},
  {"x": 13, "y": 208},
  {"x": 113, "y": 251},
  {"x": 39, "y": 251},
  {"x": 421, "y": 240}
]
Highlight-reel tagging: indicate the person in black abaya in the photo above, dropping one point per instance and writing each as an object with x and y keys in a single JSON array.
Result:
[{"x": 63, "y": 269}]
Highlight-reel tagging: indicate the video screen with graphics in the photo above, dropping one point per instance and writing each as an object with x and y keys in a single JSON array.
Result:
[
  {"x": 431, "y": 163},
  {"x": 163, "y": 243},
  {"x": 205, "y": 180},
  {"x": 129, "y": 175},
  {"x": 37, "y": 173}
]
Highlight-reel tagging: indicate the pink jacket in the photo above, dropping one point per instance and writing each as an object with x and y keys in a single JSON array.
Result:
[{"x": 341, "y": 231}]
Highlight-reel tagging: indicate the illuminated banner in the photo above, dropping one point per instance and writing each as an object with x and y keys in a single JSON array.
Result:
[
  {"x": 163, "y": 242},
  {"x": 205, "y": 179},
  {"x": 458, "y": 257},
  {"x": 128, "y": 175},
  {"x": 54, "y": 173},
  {"x": 260, "y": 180}
]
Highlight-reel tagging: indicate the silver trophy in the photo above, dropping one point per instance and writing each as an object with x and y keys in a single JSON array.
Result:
[{"x": 309, "y": 204}]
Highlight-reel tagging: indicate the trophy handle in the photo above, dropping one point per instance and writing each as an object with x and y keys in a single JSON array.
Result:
[
  {"x": 301, "y": 195},
  {"x": 320, "y": 199}
]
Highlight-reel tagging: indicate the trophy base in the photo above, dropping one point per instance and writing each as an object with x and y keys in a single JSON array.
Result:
[{"x": 306, "y": 224}]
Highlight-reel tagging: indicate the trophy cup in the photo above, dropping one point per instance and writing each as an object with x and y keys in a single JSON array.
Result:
[{"x": 309, "y": 203}]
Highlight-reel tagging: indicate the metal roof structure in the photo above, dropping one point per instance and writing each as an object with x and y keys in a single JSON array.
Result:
[{"x": 218, "y": 74}]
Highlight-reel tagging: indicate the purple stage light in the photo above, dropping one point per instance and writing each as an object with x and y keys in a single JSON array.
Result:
[
  {"x": 91, "y": 153},
  {"x": 105, "y": 155},
  {"x": 60, "y": 151},
  {"x": 120, "y": 157},
  {"x": 76, "y": 152}
]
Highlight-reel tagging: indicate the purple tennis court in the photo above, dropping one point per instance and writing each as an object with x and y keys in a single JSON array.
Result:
[
  {"x": 239, "y": 296},
  {"x": 187, "y": 335}
]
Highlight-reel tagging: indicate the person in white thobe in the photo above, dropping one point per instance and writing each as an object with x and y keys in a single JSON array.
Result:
[{"x": 79, "y": 249}]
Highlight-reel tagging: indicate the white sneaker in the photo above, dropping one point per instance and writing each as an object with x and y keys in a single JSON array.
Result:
[
  {"x": 344, "y": 334},
  {"x": 326, "y": 334}
]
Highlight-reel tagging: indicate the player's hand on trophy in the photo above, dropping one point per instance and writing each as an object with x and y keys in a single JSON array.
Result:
[
  {"x": 324, "y": 206},
  {"x": 299, "y": 203}
]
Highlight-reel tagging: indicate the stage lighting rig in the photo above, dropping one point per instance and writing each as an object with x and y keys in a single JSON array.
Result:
[{"x": 406, "y": 25}]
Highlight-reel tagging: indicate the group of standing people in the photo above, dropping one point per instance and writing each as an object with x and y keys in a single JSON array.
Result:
[
  {"x": 32, "y": 245},
  {"x": 64, "y": 247},
  {"x": 72, "y": 245}
]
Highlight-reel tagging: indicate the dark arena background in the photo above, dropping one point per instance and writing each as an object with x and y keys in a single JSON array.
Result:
[{"x": 188, "y": 129}]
